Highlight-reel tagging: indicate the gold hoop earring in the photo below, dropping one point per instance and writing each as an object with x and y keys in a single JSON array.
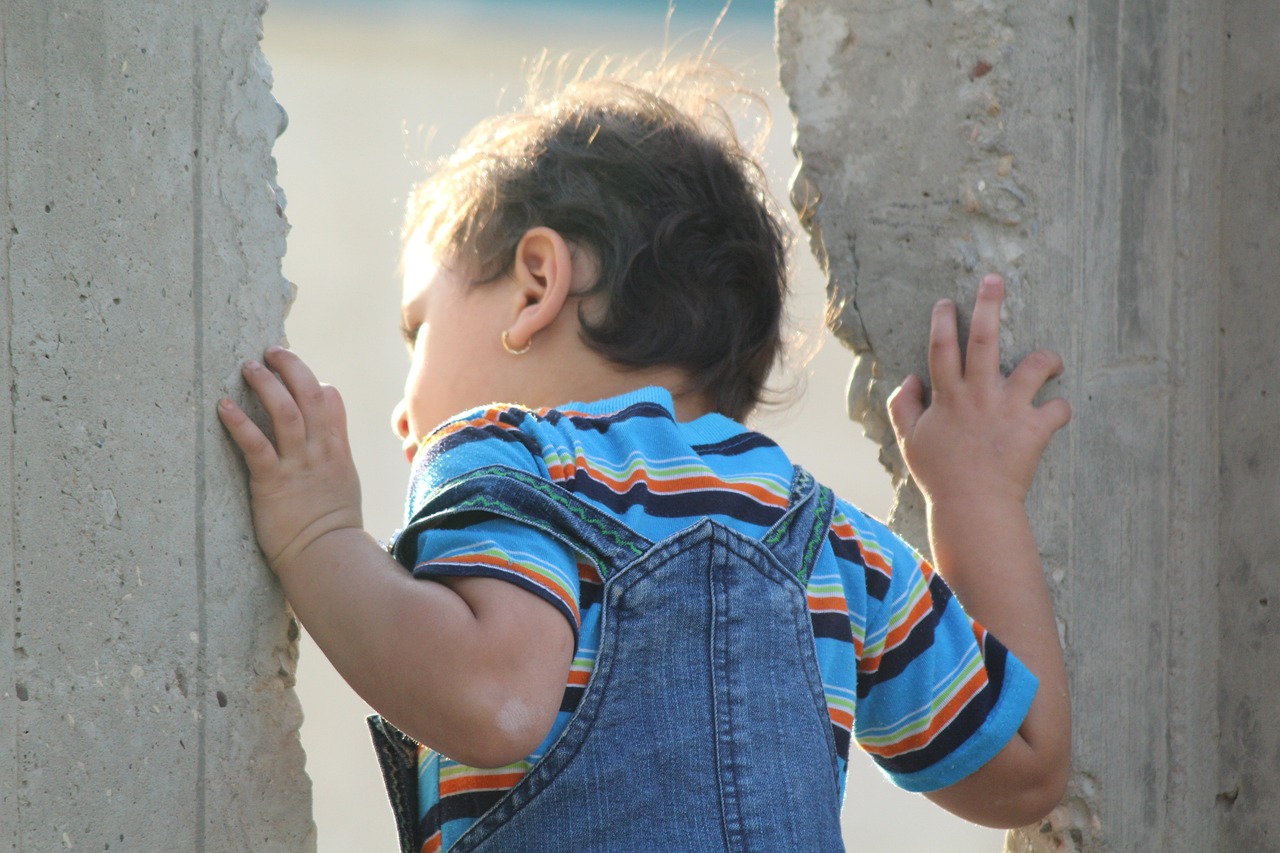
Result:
[{"x": 506, "y": 345}]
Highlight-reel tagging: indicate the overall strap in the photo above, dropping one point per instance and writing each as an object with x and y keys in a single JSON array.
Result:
[
  {"x": 796, "y": 539},
  {"x": 532, "y": 500}
]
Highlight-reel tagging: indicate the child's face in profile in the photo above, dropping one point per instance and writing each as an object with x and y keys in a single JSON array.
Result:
[{"x": 454, "y": 332}]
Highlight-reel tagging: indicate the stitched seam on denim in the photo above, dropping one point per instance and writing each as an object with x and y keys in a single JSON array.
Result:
[
  {"x": 817, "y": 535},
  {"x": 799, "y": 484},
  {"x": 722, "y": 721}
]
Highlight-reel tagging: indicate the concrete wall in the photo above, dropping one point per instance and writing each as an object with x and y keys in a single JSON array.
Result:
[
  {"x": 146, "y": 659},
  {"x": 1120, "y": 164}
]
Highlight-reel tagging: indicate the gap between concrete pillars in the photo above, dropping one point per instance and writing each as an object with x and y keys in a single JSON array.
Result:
[
  {"x": 1078, "y": 148},
  {"x": 146, "y": 670}
]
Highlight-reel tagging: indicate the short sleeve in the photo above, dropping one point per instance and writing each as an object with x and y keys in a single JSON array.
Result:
[
  {"x": 937, "y": 695},
  {"x": 489, "y": 545}
]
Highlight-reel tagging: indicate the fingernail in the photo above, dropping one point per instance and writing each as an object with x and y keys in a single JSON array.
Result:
[
  {"x": 224, "y": 403},
  {"x": 252, "y": 365},
  {"x": 272, "y": 350}
]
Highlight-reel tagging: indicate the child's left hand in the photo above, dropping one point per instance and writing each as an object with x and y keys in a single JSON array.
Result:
[
  {"x": 304, "y": 485},
  {"x": 982, "y": 435}
]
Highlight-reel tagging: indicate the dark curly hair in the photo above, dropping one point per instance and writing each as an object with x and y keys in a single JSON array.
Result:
[{"x": 646, "y": 173}]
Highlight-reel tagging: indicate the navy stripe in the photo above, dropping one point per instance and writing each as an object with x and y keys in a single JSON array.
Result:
[
  {"x": 832, "y": 626},
  {"x": 572, "y": 696},
  {"x": 691, "y": 505},
  {"x": 590, "y": 594},
  {"x": 736, "y": 445},
  {"x": 877, "y": 582},
  {"x": 601, "y": 423},
  {"x": 842, "y": 738},
  {"x": 488, "y": 432},
  {"x": 430, "y": 823},
  {"x": 468, "y": 805}
]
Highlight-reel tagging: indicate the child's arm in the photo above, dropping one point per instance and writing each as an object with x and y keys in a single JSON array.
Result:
[
  {"x": 473, "y": 667},
  {"x": 973, "y": 451}
]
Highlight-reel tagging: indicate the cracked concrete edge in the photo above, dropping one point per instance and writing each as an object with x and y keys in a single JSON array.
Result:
[
  {"x": 910, "y": 188},
  {"x": 895, "y": 228},
  {"x": 261, "y": 805}
]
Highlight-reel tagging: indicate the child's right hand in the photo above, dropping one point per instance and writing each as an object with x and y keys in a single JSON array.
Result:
[
  {"x": 981, "y": 436},
  {"x": 305, "y": 484}
]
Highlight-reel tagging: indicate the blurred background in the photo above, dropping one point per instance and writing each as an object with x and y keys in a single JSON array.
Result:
[{"x": 376, "y": 88}]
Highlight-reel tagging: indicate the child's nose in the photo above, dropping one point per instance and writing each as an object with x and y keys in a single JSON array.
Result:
[{"x": 400, "y": 420}]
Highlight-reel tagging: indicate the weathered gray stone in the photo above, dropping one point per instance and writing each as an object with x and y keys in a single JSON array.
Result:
[
  {"x": 146, "y": 670},
  {"x": 1120, "y": 165}
]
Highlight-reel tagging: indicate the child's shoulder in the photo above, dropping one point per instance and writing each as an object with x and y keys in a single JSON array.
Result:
[{"x": 539, "y": 441}]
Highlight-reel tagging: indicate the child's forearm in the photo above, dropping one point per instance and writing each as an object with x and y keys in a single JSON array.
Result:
[
  {"x": 985, "y": 551},
  {"x": 418, "y": 652}
]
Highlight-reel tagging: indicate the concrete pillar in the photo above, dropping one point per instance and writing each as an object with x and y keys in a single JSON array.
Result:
[
  {"x": 146, "y": 659},
  {"x": 1120, "y": 164}
]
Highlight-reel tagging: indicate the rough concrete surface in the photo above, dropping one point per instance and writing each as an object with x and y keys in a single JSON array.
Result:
[
  {"x": 1085, "y": 150},
  {"x": 145, "y": 678}
]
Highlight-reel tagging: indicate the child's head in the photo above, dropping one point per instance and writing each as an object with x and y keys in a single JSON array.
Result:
[{"x": 647, "y": 183}]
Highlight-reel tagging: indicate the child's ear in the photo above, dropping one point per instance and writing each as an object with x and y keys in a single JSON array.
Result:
[{"x": 543, "y": 274}]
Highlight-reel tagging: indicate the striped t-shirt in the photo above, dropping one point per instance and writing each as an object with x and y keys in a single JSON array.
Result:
[{"x": 923, "y": 689}]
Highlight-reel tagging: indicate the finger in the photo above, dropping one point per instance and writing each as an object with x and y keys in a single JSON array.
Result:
[
  {"x": 337, "y": 415},
  {"x": 1054, "y": 414},
  {"x": 286, "y": 419},
  {"x": 982, "y": 356},
  {"x": 944, "y": 347},
  {"x": 303, "y": 387},
  {"x": 906, "y": 405},
  {"x": 258, "y": 452},
  {"x": 1033, "y": 372}
]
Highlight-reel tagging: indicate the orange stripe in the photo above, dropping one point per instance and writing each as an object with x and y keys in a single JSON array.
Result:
[
  {"x": 434, "y": 844},
  {"x": 682, "y": 484},
  {"x": 561, "y": 473},
  {"x": 875, "y": 560},
  {"x": 844, "y": 530},
  {"x": 486, "y": 782},
  {"x": 918, "y": 611},
  {"x": 828, "y": 602},
  {"x": 579, "y": 677},
  {"x": 841, "y": 717},
  {"x": 940, "y": 722}
]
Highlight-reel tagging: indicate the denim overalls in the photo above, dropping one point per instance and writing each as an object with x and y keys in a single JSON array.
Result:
[{"x": 704, "y": 726}]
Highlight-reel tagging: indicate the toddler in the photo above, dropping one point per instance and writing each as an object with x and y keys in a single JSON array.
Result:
[{"x": 616, "y": 618}]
